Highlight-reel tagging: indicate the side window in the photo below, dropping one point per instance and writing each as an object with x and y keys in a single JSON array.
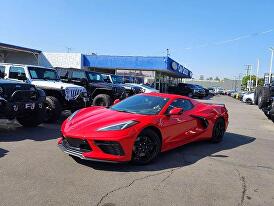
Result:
[
  {"x": 180, "y": 103},
  {"x": 78, "y": 75},
  {"x": 15, "y": 72},
  {"x": 63, "y": 73},
  {"x": 2, "y": 71}
]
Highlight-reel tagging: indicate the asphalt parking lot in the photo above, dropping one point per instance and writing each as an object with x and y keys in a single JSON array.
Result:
[{"x": 238, "y": 171}]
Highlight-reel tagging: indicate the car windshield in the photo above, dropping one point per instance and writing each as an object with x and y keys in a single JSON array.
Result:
[
  {"x": 43, "y": 73},
  {"x": 141, "y": 104},
  {"x": 95, "y": 77},
  {"x": 117, "y": 79}
]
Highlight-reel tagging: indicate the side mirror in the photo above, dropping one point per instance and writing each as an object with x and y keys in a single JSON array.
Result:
[
  {"x": 176, "y": 111},
  {"x": 116, "y": 101},
  {"x": 22, "y": 76},
  {"x": 2, "y": 75}
]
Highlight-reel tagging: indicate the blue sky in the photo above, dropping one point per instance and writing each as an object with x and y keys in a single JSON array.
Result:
[{"x": 191, "y": 29}]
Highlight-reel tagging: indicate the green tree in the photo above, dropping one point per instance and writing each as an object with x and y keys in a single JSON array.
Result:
[
  {"x": 217, "y": 79},
  {"x": 247, "y": 78}
]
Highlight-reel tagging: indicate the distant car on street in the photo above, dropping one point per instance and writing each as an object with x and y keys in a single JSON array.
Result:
[{"x": 248, "y": 98}]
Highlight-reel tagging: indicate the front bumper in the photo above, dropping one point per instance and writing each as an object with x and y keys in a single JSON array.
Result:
[
  {"x": 97, "y": 152},
  {"x": 11, "y": 110}
]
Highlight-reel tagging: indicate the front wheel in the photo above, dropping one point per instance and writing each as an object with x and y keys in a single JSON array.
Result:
[
  {"x": 218, "y": 131},
  {"x": 102, "y": 100},
  {"x": 146, "y": 148},
  {"x": 53, "y": 109}
]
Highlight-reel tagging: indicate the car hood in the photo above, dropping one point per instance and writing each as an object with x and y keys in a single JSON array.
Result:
[
  {"x": 92, "y": 118},
  {"x": 54, "y": 84},
  {"x": 105, "y": 85}
]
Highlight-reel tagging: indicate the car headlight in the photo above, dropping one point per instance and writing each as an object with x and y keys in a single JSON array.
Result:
[
  {"x": 119, "y": 126},
  {"x": 72, "y": 115}
]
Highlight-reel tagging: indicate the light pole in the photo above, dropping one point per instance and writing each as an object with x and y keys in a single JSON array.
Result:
[
  {"x": 248, "y": 71},
  {"x": 270, "y": 68}
]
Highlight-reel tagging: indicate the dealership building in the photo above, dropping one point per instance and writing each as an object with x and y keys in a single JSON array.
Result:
[{"x": 157, "y": 71}]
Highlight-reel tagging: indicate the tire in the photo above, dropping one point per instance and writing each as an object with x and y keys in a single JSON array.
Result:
[
  {"x": 146, "y": 148},
  {"x": 256, "y": 93},
  {"x": 263, "y": 97},
  {"x": 218, "y": 131},
  {"x": 32, "y": 119},
  {"x": 53, "y": 109},
  {"x": 271, "y": 114},
  {"x": 102, "y": 100}
]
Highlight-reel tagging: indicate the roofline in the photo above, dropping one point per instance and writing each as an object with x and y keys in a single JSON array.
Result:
[
  {"x": 19, "y": 48},
  {"x": 26, "y": 65}
]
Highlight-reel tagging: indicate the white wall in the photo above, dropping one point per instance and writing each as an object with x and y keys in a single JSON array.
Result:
[{"x": 64, "y": 60}]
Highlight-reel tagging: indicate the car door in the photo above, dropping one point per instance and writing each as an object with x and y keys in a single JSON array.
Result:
[{"x": 179, "y": 129}]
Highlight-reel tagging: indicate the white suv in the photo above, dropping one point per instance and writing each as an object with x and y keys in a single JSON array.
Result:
[{"x": 60, "y": 95}]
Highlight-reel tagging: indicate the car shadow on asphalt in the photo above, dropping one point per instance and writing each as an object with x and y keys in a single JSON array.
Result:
[
  {"x": 179, "y": 157},
  {"x": 3, "y": 152},
  {"x": 15, "y": 132}
]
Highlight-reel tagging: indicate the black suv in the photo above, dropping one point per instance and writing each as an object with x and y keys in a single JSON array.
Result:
[
  {"x": 21, "y": 101},
  {"x": 101, "y": 93},
  {"x": 119, "y": 80},
  {"x": 189, "y": 90},
  {"x": 264, "y": 98}
]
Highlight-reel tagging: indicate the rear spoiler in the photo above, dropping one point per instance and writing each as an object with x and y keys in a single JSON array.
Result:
[{"x": 216, "y": 104}]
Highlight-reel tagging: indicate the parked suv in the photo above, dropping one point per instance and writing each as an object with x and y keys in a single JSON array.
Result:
[
  {"x": 189, "y": 90},
  {"x": 118, "y": 80},
  {"x": 59, "y": 96},
  {"x": 264, "y": 98},
  {"x": 21, "y": 101},
  {"x": 100, "y": 92}
]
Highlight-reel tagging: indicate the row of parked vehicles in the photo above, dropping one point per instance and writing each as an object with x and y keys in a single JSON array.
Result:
[
  {"x": 34, "y": 94},
  {"x": 263, "y": 96}
]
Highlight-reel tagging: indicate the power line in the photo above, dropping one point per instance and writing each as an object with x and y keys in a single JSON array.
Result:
[{"x": 238, "y": 38}]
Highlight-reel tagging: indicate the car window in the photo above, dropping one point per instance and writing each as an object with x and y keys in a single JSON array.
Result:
[
  {"x": 78, "y": 75},
  {"x": 180, "y": 103},
  {"x": 63, "y": 73},
  {"x": 15, "y": 72},
  {"x": 2, "y": 71}
]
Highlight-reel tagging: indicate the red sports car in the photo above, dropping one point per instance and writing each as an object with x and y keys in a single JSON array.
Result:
[{"x": 138, "y": 128}]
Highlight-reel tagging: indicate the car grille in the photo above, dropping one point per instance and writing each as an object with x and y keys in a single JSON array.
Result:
[
  {"x": 76, "y": 144},
  {"x": 110, "y": 147},
  {"x": 73, "y": 93}
]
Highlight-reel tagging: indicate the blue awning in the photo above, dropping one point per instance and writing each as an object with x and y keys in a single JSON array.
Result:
[{"x": 163, "y": 64}]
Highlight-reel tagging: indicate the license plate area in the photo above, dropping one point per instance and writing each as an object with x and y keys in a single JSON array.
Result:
[{"x": 30, "y": 106}]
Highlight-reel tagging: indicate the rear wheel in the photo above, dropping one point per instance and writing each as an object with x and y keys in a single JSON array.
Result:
[
  {"x": 263, "y": 97},
  {"x": 102, "y": 100},
  {"x": 218, "y": 131},
  {"x": 146, "y": 148}
]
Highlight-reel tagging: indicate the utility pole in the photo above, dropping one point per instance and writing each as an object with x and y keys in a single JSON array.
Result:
[
  {"x": 257, "y": 73},
  {"x": 271, "y": 61},
  {"x": 248, "y": 71},
  {"x": 167, "y": 53}
]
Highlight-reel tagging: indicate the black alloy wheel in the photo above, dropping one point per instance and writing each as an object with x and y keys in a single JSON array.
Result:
[
  {"x": 146, "y": 147},
  {"x": 218, "y": 131}
]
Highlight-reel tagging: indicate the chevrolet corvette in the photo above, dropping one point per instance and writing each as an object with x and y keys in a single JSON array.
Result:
[{"x": 138, "y": 128}]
